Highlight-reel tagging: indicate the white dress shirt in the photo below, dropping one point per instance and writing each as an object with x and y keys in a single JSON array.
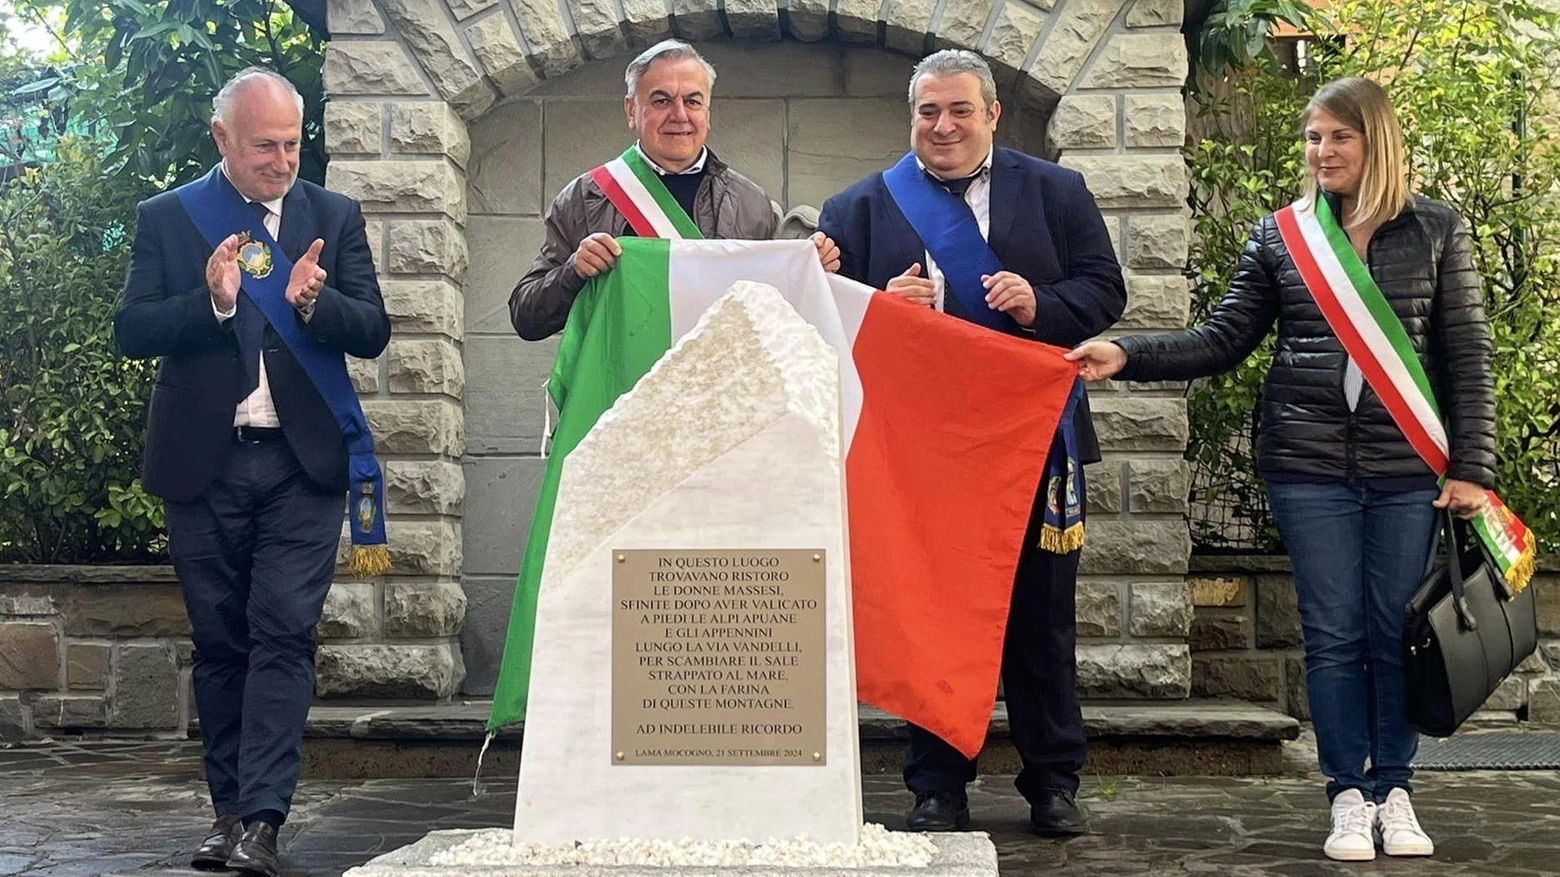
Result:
[
  {"x": 978, "y": 196},
  {"x": 1353, "y": 384},
  {"x": 698, "y": 163},
  {"x": 257, "y": 409}
]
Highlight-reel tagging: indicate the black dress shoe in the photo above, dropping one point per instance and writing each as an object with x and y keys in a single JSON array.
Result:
[
  {"x": 213, "y": 852},
  {"x": 1056, "y": 814},
  {"x": 938, "y": 811},
  {"x": 256, "y": 851}
]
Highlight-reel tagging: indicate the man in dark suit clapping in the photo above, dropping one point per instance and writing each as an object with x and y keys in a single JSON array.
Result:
[
  {"x": 251, "y": 284},
  {"x": 1016, "y": 244}
]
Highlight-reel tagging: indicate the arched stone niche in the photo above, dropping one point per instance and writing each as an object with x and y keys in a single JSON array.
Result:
[{"x": 455, "y": 122}]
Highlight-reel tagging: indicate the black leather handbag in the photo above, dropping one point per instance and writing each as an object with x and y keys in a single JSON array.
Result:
[{"x": 1463, "y": 633}]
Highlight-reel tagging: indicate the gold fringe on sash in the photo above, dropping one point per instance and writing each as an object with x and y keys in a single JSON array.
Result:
[
  {"x": 1521, "y": 572},
  {"x": 1059, "y": 541},
  {"x": 368, "y": 561}
]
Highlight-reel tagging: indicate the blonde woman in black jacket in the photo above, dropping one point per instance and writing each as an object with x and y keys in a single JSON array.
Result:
[{"x": 1381, "y": 326}]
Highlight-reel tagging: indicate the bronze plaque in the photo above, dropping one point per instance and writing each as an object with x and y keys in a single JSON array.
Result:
[{"x": 718, "y": 657}]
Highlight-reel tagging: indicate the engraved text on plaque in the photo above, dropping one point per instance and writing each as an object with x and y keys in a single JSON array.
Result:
[{"x": 718, "y": 657}]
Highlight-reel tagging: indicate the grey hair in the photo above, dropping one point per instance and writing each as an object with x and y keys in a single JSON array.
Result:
[
  {"x": 222, "y": 104},
  {"x": 671, "y": 50},
  {"x": 951, "y": 61}
]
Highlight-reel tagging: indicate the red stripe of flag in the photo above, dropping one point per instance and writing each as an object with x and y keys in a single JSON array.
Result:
[
  {"x": 1364, "y": 357},
  {"x": 942, "y": 475},
  {"x": 609, "y": 186}
]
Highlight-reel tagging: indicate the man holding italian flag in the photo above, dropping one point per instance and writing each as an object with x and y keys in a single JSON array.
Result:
[
  {"x": 668, "y": 107},
  {"x": 947, "y": 427},
  {"x": 1014, "y": 248}
]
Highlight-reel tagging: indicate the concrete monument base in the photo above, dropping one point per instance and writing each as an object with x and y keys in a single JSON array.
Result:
[{"x": 961, "y": 854}]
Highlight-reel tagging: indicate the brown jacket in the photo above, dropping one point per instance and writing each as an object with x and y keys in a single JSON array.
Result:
[{"x": 727, "y": 205}]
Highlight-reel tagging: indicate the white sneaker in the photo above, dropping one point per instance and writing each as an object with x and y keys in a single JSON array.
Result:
[
  {"x": 1397, "y": 828},
  {"x": 1352, "y": 818}
]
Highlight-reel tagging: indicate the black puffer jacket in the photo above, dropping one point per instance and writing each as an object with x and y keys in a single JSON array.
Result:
[{"x": 1423, "y": 262}]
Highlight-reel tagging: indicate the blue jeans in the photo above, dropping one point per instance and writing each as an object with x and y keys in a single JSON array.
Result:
[{"x": 1358, "y": 554}]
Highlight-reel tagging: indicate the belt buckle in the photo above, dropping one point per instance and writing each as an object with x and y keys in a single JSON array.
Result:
[{"x": 244, "y": 434}]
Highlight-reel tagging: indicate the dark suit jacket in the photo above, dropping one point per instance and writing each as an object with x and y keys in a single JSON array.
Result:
[
  {"x": 1045, "y": 227},
  {"x": 166, "y": 311}
]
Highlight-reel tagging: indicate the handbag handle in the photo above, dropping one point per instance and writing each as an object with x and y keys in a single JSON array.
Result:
[{"x": 1454, "y": 568}]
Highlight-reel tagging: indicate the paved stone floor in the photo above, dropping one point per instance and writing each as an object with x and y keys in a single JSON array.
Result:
[{"x": 128, "y": 808}]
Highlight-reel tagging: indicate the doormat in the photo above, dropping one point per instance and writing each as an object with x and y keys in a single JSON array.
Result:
[{"x": 1490, "y": 750}]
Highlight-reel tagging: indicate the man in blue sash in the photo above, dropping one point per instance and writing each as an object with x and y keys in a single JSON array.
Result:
[
  {"x": 668, "y": 108},
  {"x": 1016, "y": 244},
  {"x": 251, "y": 284}
]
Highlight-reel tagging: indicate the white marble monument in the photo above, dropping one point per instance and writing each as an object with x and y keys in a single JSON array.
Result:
[{"x": 731, "y": 442}]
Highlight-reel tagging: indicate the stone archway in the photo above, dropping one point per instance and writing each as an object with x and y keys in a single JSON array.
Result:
[{"x": 1096, "y": 84}]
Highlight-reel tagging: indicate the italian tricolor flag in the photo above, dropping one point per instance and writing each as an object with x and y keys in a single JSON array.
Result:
[
  {"x": 946, "y": 427},
  {"x": 1360, "y": 315}
]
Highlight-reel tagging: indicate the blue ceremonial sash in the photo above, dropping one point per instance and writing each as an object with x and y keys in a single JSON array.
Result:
[
  {"x": 949, "y": 231},
  {"x": 218, "y": 210},
  {"x": 1062, "y": 529}
]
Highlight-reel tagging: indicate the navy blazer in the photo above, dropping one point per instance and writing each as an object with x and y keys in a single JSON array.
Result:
[
  {"x": 1045, "y": 227},
  {"x": 166, "y": 311}
]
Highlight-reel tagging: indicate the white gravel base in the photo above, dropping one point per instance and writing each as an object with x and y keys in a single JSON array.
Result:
[
  {"x": 490, "y": 853},
  {"x": 878, "y": 848}
]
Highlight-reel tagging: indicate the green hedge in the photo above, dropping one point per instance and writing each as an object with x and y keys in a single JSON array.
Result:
[{"x": 74, "y": 410}]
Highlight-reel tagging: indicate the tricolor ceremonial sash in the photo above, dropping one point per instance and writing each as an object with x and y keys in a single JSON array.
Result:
[
  {"x": 948, "y": 229},
  {"x": 218, "y": 210},
  {"x": 1373, "y": 335},
  {"x": 637, "y": 192}
]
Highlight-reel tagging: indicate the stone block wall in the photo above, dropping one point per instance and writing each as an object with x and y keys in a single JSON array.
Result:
[
  {"x": 456, "y": 121},
  {"x": 106, "y": 650},
  {"x": 1246, "y": 641},
  {"x": 96, "y": 649},
  {"x": 405, "y": 161},
  {"x": 1121, "y": 125}
]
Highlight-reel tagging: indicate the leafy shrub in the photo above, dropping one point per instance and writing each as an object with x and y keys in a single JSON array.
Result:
[
  {"x": 72, "y": 410},
  {"x": 1239, "y": 174},
  {"x": 141, "y": 74},
  {"x": 1475, "y": 87}
]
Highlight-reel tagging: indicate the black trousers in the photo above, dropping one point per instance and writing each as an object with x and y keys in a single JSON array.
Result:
[
  {"x": 1039, "y": 682},
  {"x": 254, "y": 556}
]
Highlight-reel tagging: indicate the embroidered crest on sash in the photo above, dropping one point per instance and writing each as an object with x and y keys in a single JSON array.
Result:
[
  {"x": 367, "y": 511},
  {"x": 254, "y": 257}
]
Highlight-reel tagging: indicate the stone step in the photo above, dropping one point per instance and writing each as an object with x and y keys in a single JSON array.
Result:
[
  {"x": 1176, "y": 720},
  {"x": 1178, "y": 738}
]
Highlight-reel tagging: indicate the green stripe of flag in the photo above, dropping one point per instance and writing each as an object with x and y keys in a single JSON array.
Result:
[
  {"x": 1375, "y": 302},
  {"x": 618, "y": 327},
  {"x": 657, "y": 189}
]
